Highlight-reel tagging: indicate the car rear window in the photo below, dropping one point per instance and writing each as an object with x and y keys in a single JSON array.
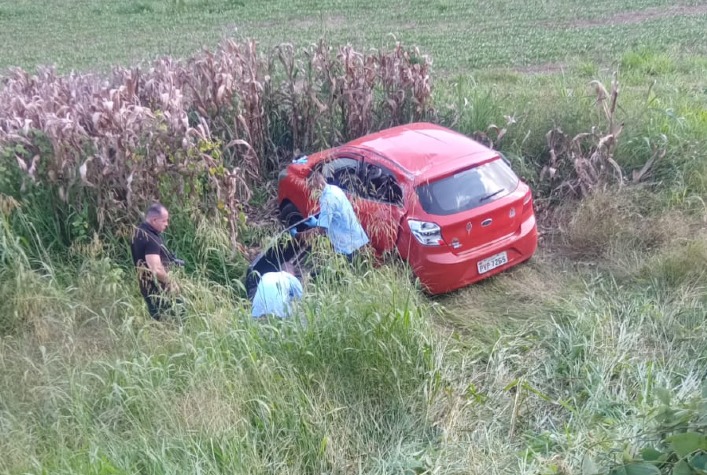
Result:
[{"x": 468, "y": 189}]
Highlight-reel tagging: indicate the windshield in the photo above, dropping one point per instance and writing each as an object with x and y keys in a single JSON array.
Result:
[{"x": 468, "y": 188}]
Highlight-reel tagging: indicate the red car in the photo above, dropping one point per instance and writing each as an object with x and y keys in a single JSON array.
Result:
[{"x": 450, "y": 206}]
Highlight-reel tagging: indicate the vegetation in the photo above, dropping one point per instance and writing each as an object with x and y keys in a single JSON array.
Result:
[
  {"x": 201, "y": 133},
  {"x": 460, "y": 36},
  {"x": 590, "y": 359}
]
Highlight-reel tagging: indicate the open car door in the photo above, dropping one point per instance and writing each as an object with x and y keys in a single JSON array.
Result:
[{"x": 381, "y": 206}]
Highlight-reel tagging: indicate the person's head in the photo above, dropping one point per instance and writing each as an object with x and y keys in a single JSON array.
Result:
[
  {"x": 317, "y": 182},
  {"x": 157, "y": 216}
]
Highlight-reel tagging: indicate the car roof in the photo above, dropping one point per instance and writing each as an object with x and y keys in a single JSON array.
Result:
[{"x": 425, "y": 149}]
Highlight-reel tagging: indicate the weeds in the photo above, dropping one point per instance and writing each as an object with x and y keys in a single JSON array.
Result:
[
  {"x": 344, "y": 385},
  {"x": 588, "y": 158}
]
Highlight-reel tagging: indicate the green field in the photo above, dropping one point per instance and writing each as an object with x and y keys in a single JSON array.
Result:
[
  {"x": 460, "y": 36},
  {"x": 590, "y": 359}
]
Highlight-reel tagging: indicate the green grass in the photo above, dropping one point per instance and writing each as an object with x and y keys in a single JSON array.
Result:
[
  {"x": 533, "y": 371},
  {"x": 348, "y": 376},
  {"x": 561, "y": 361},
  {"x": 460, "y": 36}
]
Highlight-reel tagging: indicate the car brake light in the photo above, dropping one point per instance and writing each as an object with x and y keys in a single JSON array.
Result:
[{"x": 428, "y": 234}]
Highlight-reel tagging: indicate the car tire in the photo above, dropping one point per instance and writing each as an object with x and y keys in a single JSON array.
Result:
[{"x": 289, "y": 215}]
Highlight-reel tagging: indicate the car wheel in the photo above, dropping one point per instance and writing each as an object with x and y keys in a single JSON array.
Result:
[{"x": 289, "y": 215}]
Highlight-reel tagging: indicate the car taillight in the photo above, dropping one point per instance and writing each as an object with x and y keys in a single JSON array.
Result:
[{"x": 428, "y": 234}]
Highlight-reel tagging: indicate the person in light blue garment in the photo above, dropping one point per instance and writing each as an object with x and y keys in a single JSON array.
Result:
[
  {"x": 275, "y": 293},
  {"x": 337, "y": 218}
]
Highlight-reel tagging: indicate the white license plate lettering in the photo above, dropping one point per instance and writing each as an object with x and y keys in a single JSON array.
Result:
[{"x": 492, "y": 262}]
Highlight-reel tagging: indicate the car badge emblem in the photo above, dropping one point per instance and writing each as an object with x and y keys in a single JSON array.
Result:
[
  {"x": 512, "y": 213},
  {"x": 468, "y": 227},
  {"x": 456, "y": 244},
  {"x": 486, "y": 222}
]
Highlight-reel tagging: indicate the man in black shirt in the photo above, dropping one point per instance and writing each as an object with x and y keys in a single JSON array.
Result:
[{"x": 152, "y": 260}]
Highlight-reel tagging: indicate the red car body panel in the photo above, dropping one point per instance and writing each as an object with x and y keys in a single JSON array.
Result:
[
  {"x": 415, "y": 155},
  {"x": 421, "y": 147}
]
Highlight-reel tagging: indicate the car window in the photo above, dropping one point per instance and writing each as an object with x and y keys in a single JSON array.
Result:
[
  {"x": 381, "y": 185},
  {"x": 468, "y": 188},
  {"x": 344, "y": 173}
]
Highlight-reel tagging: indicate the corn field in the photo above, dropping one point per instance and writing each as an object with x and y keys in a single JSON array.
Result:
[{"x": 201, "y": 132}]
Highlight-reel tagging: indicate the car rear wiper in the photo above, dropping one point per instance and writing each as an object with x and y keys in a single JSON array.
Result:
[{"x": 491, "y": 195}]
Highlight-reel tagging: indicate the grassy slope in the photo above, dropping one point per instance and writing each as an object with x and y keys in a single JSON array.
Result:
[{"x": 547, "y": 364}]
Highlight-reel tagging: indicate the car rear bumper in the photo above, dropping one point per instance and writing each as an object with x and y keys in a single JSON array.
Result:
[{"x": 445, "y": 271}]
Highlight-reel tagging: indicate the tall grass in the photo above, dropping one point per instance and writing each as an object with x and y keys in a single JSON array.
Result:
[
  {"x": 657, "y": 124},
  {"x": 582, "y": 384},
  {"x": 551, "y": 368},
  {"x": 43, "y": 293},
  {"x": 346, "y": 385}
]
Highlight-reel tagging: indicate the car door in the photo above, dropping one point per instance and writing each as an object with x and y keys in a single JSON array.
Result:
[
  {"x": 381, "y": 205},
  {"x": 344, "y": 171}
]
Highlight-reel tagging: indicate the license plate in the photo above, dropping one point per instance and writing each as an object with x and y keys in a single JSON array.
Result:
[{"x": 492, "y": 262}]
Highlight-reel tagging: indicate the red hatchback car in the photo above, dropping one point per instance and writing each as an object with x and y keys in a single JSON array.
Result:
[{"x": 450, "y": 206}]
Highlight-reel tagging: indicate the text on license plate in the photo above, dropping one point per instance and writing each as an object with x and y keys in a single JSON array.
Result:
[{"x": 492, "y": 262}]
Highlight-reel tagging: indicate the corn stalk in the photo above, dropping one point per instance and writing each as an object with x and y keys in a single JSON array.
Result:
[{"x": 200, "y": 131}]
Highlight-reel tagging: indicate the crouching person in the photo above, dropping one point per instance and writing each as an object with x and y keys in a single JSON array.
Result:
[
  {"x": 275, "y": 293},
  {"x": 336, "y": 218}
]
